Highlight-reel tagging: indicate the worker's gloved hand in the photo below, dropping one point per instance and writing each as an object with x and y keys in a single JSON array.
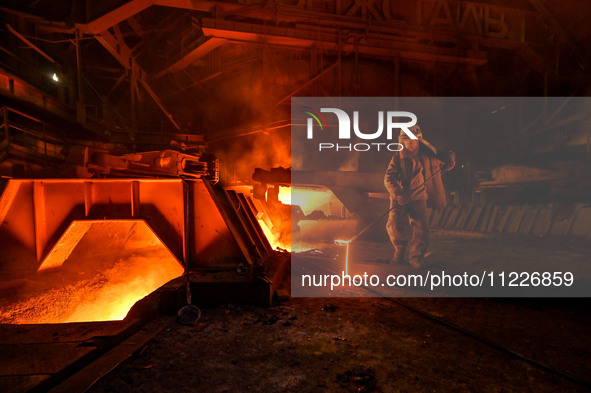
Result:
[
  {"x": 449, "y": 160},
  {"x": 403, "y": 198}
]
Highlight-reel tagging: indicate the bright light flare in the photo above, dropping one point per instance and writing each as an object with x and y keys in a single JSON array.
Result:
[
  {"x": 310, "y": 199},
  {"x": 273, "y": 238},
  {"x": 285, "y": 195},
  {"x": 345, "y": 243}
]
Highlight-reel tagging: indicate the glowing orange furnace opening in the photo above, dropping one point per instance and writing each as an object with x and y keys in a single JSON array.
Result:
[{"x": 96, "y": 272}]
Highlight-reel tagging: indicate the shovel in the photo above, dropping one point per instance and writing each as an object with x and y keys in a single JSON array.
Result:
[{"x": 189, "y": 314}]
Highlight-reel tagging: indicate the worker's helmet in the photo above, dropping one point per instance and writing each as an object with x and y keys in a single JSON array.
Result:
[{"x": 416, "y": 130}]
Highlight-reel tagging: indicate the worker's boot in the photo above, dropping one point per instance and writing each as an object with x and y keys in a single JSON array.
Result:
[
  {"x": 399, "y": 257},
  {"x": 419, "y": 260}
]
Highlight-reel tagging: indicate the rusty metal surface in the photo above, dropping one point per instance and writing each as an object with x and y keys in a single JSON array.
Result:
[
  {"x": 34, "y": 214},
  {"x": 238, "y": 224},
  {"x": 25, "y": 137},
  {"x": 163, "y": 163},
  {"x": 211, "y": 241}
]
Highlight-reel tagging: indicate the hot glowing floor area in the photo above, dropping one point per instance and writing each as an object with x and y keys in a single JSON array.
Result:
[{"x": 96, "y": 272}]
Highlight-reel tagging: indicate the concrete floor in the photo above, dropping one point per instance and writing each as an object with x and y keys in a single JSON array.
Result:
[
  {"x": 366, "y": 345},
  {"x": 375, "y": 344},
  {"x": 455, "y": 253}
]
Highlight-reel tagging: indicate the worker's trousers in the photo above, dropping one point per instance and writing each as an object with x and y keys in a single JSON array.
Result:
[{"x": 408, "y": 226}]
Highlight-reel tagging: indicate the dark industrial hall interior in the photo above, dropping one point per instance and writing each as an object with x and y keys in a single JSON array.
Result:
[{"x": 154, "y": 199}]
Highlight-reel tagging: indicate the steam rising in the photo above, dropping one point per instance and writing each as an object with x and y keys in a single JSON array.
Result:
[{"x": 239, "y": 156}]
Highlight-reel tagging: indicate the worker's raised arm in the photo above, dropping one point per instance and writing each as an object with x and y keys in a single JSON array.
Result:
[{"x": 447, "y": 158}]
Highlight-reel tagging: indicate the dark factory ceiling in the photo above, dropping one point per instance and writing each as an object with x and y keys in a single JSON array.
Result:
[{"x": 220, "y": 67}]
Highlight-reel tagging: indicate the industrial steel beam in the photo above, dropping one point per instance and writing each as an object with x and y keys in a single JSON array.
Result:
[
  {"x": 578, "y": 50},
  {"x": 193, "y": 56},
  {"x": 133, "y": 7},
  {"x": 120, "y": 51},
  {"x": 370, "y": 45},
  {"x": 379, "y": 17},
  {"x": 307, "y": 83},
  {"x": 365, "y": 182},
  {"x": 116, "y": 16},
  {"x": 29, "y": 43},
  {"x": 402, "y": 31},
  {"x": 348, "y": 19}
]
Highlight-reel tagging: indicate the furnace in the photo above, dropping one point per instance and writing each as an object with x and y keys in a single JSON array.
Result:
[{"x": 83, "y": 250}]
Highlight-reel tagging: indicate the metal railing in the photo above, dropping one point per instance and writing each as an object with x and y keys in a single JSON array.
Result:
[{"x": 24, "y": 136}]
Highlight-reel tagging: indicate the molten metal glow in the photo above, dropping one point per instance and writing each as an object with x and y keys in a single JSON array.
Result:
[
  {"x": 129, "y": 281},
  {"x": 111, "y": 266},
  {"x": 345, "y": 243},
  {"x": 321, "y": 201},
  {"x": 347, "y": 260},
  {"x": 285, "y": 195},
  {"x": 310, "y": 199},
  {"x": 274, "y": 238},
  {"x": 326, "y": 216}
]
